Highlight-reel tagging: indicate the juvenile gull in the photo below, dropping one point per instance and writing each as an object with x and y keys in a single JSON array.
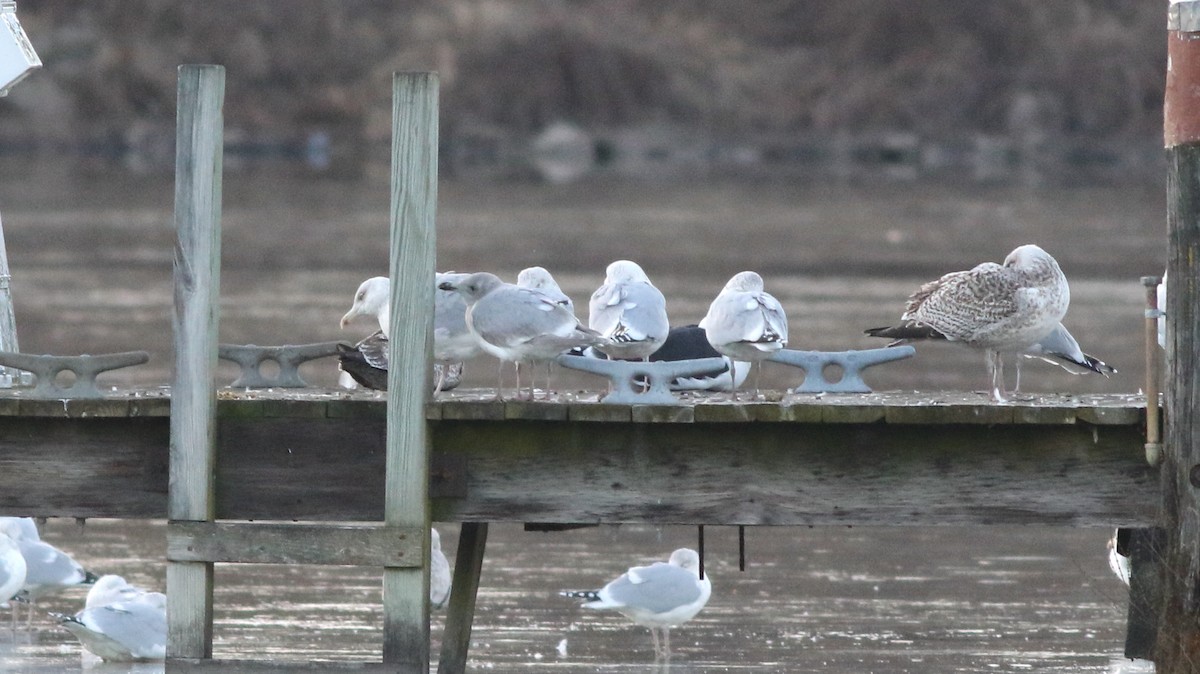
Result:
[
  {"x": 48, "y": 569},
  {"x": 120, "y": 622},
  {"x": 998, "y": 308},
  {"x": 629, "y": 311},
  {"x": 518, "y": 325},
  {"x": 744, "y": 322},
  {"x": 659, "y": 596},
  {"x": 539, "y": 278}
]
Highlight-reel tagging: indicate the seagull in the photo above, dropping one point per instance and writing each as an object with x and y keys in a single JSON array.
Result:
[
  {"x": 538, "y": 278},
  {"x": 48, "y": 569},
  {"x": 452, "y": 342},
  {"x": 12, "y": 573},
  {"x": 999, "y": 308},
  {"x": 519, "y": 325},
  {"x": 1118, "y": 555},
  {"x": 366, "y": 363},
  {"x": 689, "y": 342},
  {"x": 1060, "y": 348},
  {"x": 659, "y": 596},
  {"x": 628, "y": 310},
  {"x": 1162, "y": 312},
  {"x": 439, "y": 571},
  {"x": 744, "y": 322},
  {"x": 120, "y": 622}
]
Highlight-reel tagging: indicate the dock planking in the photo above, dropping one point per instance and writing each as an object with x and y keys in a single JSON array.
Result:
[{"x": 851, "y": 459}]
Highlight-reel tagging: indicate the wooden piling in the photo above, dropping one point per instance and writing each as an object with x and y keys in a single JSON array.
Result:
[
  {"x": 413, "y": 248},
  {"x": 1178, "y": 643},
  {"x": 197, "y": 266}
]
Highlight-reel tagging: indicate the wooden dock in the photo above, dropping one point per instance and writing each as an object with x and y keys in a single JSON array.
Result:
[{"x": 851, "y": 459}]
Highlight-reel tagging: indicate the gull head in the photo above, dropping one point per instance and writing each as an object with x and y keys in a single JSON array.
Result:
[
  {"x": 625, "y": 271},
  {"x": 1028, "y": 256},
  {"x": 371, "y": 299},
  {"x": 473, "y": 286},
  {"x": 538, "y": 278},
  {"x": 686, "y": 558},
  {"x": 745, "y": 281}
]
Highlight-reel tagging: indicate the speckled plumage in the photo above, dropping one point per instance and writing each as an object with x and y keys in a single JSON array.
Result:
[{"x": 1000, "y": 308}]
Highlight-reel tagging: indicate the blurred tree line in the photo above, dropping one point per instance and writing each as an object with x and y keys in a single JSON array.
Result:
[{"x": 930, "y": 67}]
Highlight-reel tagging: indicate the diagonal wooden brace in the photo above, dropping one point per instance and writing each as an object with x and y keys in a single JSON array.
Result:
[
  {"x": 627, "y": 376},
  {"x": 85, "y": 368},
  {"x": 289, "y": 358},
  {"x": 852, "y": 363}
]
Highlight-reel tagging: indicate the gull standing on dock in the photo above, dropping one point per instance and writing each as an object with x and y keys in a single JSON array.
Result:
[
  {"x": 745, "y": 322},
  {"x": 539, "y": 278},
  {"x": 120, "y": 622},
  {"x": 1000, "y": 308},
  {"x": 660, "y": 596},
  {"x": 1060, "y": 348},
  {"x": 47, "y": 569},
  {"x": 629, "y": 311},
  {"x": 452, "y": 342},
  {"x": 518, "y": 325}
]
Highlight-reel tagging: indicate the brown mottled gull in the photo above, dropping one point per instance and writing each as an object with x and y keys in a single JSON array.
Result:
[{"x": 999, "y": 308}]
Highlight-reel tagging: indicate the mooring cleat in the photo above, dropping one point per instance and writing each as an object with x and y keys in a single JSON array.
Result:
[
  {"x": 852, "y": 363},
  {"x": 289, "y": 358},
  {"x": 84, "y": 368},
  {"x": 629, "y": 376}
]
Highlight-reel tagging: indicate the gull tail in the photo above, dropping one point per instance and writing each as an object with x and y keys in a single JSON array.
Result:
[
  {"x": 904, "y": 332},
  {"x": 1081, "y": 364},
  {"x": 590, "y": 595}
]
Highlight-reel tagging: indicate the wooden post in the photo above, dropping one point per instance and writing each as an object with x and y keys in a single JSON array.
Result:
[
  {"x": 413, "y": 247},
  {"x": 193, "y": 397},
  {"x": 468, "y": 563},
  {"x": 1178, "y": 645}
]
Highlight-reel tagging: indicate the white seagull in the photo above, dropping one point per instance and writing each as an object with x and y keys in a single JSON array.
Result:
[
  {"x": 120, "y": 622},
  {"x": 539, "y": 278},
  {"x": 48, "y": 569},
  {"x": 439, "y": 571},
  {"x": 12, "y": 571},
  {"x": 744, "y": 322},
  {"x": 518, "y": 325},
  {"x": 628, "y": 310},
  {"x": 998, "y": 308},
  {"x": 659, "y": 596},
  {"x": 1060, "y": 348},
  {"x": 452, "y": 342}
]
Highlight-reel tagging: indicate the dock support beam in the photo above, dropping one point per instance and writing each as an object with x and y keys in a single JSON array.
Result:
[
  {"x": 413, "y": 249},
  {"x": 1178, "y": 643},
  {"x": 468, "y": 564},
  {"x": 197, "y": 268}
]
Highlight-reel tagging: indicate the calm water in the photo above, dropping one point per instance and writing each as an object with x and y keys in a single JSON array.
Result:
[{"x": 91, "y": 265}]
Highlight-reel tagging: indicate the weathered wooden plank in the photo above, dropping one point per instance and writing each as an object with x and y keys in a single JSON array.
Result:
[
  {"x": 84, "y": 467},
  {"x": 219, "y": 666},
  {"x": 272, "y": 543},
  {"x": 413, "y": 250},
  {"x": 197, "y": 274},
  {"x": 800, "y": 474}
]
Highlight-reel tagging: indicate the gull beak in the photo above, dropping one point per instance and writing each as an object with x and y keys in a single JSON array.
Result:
[
  {"x": 346, "y": 319},
  {"x": 447, "y": 285}
]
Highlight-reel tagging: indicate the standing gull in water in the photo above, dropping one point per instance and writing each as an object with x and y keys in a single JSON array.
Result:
[
  {"x": 12, "y": 573},
  {"x": 745, "y": 323},
  {"x": 629, "y": 311},
  {"x": 439, "y": 571},
  {"x": 538, "y": 278},
  {"x": 120, "y": 622},
  {"x": 48, "y": 569},
  {"x": 659, "y": 596},
  {"x": 998, "y": 308},
  {"x": 518, "y": 325}
]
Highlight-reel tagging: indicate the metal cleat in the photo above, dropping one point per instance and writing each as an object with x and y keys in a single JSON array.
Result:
[
  {"x": 84, "y": 368},
  {"x": 289, "y": 358},
  {"x": 852, "y": 363},
  {"x": 627, "y": 377}
]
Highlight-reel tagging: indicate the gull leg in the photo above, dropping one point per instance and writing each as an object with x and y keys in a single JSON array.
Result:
[
  {"x": 654, "y": 635},
  {"x": 667, "y": 644},
  {"x": 1018, "y": 386},
  {"x": 441, "y": 378},
  {"x": 500, "y": 382},
  {"x": 996, "y": 367}
]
